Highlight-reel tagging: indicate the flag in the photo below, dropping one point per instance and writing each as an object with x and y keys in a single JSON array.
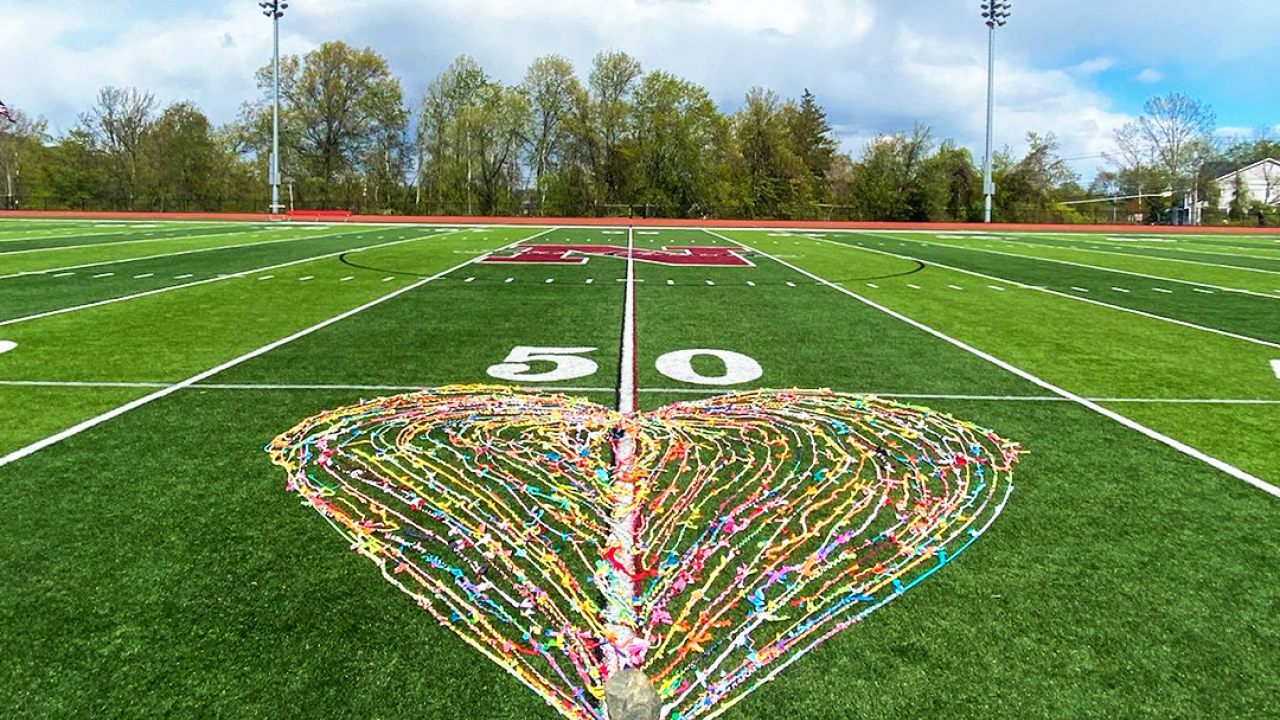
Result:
[{"x": 6, "y": 114}]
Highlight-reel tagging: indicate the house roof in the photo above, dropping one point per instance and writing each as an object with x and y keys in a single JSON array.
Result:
[{"x": 1225, "y": 170}]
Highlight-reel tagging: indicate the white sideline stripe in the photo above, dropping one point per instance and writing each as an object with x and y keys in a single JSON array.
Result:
[
  {"x": 1084, "y": 265},
  {"x": 64, "y": 236},
  {"x": 172, "y": 254},
  {"x": 1154, "y": 435},
  {"x": 157, "y": 291},
  {"x": 651, "y": 391},
  {"x": 109, "y": 244},
  {"x": 1056, "y": 293},
  {"x": 1169, "y": 259},
  {"x": 626, "y": 370},
  {"x": 163, "y": 392}
]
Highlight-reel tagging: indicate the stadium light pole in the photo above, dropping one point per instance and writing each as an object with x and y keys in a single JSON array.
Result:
[
  {"x": 996, "y": 14},
  {"x": 274, "y": 9}
]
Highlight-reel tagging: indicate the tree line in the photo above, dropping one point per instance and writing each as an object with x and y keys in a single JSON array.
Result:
[{"x": 617, "y": 140}]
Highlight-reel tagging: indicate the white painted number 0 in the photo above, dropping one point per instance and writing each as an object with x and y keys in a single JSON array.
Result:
[
  {"x": 567, "y": 365},
  {"x": 738, "y": 368}
]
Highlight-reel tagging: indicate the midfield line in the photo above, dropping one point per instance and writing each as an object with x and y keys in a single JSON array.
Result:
[
  {"x": 169, "y": 390},
  {"x": 1091, "y": 405},
  {"x": 175, "y": 254},
  {"x": 623, "y": 619},
  {"x": 206, "y": 281},
  {"x": 627, "y": 357},
  {"x": 1069, "y": 262},
  {"x": 1055, "y": 293}
]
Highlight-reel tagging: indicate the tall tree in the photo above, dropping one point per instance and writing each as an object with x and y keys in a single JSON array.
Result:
[
  {"x": 117, "y": 125},
  {"x": 21, "y": 146},
  {"x": 182, "y": 158},
  {"x": 338, "y": 101},
  {"x": 680, "y": 146},
  {"x": 445, "y": 161},
  {"x": 612, "y": 80},
  {"x": 1177, "y": 129},
  {"x": 773, "y": 181},
  {"x": 812, "y": 139},
  {"x": 551, "y": 87}
]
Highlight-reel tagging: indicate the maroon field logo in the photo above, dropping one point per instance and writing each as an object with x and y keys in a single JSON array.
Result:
[{"x": 579, "y": 255}]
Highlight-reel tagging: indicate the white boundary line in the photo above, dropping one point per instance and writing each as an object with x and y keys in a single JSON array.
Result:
[
  {"x": 1156, "y": 257},
  {"x": 7, "y": 253},
  {"x": 27, "y": 273},
  {"x": 1132, "y": 425},
  {"x": 117, "y": 412},
  {"x": 1076, "y": 264},
  {"x": 93, "y": 235},
  {"x": 1056, "y": 293},
  {"x": 206, "y": 281},
  {"x": 250, "y": 387}
]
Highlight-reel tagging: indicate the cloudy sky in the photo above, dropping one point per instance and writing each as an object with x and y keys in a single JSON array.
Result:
[{"x": 1078, "y": 69}]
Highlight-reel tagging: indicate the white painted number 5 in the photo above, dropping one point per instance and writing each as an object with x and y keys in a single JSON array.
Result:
[{"x": 567, "y": 365}]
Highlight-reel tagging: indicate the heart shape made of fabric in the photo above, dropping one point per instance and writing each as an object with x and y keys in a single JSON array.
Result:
[{"x": 755, "y": 525}]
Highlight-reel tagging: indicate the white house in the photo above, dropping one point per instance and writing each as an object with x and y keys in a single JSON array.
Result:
[{"x": 1262, "y": 178}]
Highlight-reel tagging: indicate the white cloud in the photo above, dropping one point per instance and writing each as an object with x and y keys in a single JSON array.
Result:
[
  {"x": 876, "y": 65},
  {"x": 1149, "y": 75},
  {"x": 1095, "y": 66}
]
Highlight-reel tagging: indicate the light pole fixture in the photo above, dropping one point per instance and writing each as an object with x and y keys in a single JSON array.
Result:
[
  {"x": 274, "y": 9},
  {"x": 996, "y": 14}
]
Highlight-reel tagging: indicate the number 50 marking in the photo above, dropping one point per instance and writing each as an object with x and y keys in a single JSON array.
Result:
[{"x": 738, "y": 368}]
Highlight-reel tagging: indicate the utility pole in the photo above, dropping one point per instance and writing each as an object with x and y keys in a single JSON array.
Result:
[
  {"x": 996, "y": 14},
  {"x": 274, "y": 9}
]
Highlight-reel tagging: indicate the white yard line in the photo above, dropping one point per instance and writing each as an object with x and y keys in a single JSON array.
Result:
[
  {"x": 1091, "y": 405},
  {"x": 173, "y": 254},
  {"x": 258, "y": 387},
  {"x": 166, "y": 391},
  {"x": 627, "y": 366},
  {"x": 88, "y": 235},
  {"x": 1056, "y": 293},
  {"x": 623, "y": 522},
  {"x": 1083, "y": 265},
  {"x": 1166, "y": 259},
  {"x": 6, "y": 253},
  {"x": 170, "y": 288}
]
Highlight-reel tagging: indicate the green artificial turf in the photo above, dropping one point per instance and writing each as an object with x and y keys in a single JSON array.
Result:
[{"x": 154, "y": 565}]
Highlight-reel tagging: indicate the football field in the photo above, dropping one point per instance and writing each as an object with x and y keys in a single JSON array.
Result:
[{"x": 154, "y": 564}]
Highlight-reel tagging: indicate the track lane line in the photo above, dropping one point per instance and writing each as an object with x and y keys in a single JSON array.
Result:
[
  {"x": 164, "y": 392},
  {"x": 1091, "y": 405}
]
